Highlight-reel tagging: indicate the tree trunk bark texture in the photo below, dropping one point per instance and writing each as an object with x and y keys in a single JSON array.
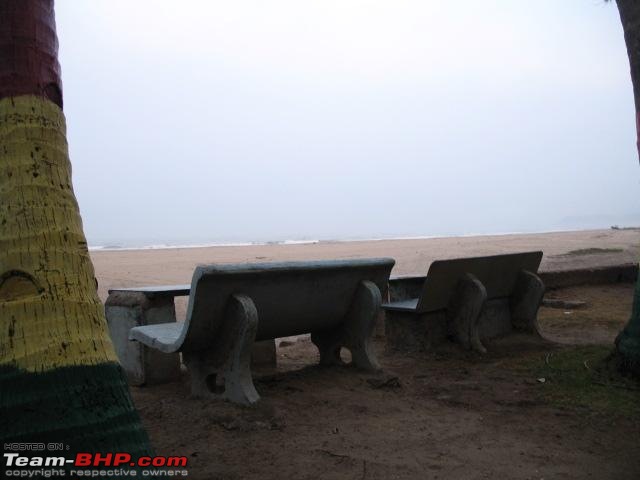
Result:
[{"x": 60, "y": 380}]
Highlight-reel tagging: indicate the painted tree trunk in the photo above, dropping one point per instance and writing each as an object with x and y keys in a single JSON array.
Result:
[
  {"x": 628, "y": 341},
  {"x": 59, "y": 377}
]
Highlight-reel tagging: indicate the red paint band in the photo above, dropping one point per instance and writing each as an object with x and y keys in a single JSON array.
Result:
[{"x": 29, "y": 50}]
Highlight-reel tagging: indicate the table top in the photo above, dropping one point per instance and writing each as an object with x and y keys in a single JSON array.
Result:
[{"x": 165, "y": 290}]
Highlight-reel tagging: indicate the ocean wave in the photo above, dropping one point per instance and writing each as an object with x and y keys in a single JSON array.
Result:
[{"x": 164, "y": 246}]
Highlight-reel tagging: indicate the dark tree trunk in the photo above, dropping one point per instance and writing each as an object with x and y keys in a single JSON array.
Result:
[{"x": 628, "y": 341}]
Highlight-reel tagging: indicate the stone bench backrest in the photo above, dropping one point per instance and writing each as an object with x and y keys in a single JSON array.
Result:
[
  {"x": 291, "y": 298},
  {"x": 498, "y": 274}
]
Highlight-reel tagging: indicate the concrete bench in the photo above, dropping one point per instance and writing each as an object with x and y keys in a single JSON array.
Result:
[
  {"x": 468, "y": 299},
  {"x": 127, "y": 308},
  {"x": 231, "y": 306}
]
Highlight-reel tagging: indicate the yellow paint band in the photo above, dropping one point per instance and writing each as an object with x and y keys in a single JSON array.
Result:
[{"x": 50, "y": 313}]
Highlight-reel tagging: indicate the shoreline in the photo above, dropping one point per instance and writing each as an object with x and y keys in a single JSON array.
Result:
[
  {"x": 562, "y": 251},
  {"x": 161, "y": 246}
]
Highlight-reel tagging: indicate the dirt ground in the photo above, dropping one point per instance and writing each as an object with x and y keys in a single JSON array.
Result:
[{"x": 443, "y": 415}]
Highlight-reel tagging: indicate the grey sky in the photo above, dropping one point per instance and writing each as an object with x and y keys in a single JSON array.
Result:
[{"x": 266, "y": 120}]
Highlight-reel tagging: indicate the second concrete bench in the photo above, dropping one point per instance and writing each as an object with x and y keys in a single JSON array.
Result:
[{"x": 467, "y": 299}]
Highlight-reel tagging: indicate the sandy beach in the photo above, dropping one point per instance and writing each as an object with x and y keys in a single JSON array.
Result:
[
  {"x": 564, "y": 250},
  {"x": 445, "y": 413}
]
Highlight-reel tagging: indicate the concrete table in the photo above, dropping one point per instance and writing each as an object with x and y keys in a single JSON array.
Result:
[{"x": 127, "y": 308}]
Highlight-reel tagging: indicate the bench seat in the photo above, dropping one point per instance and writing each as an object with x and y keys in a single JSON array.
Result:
[
  {"x": 409, "y": 305},
  {"x": 162, "y": 336}
]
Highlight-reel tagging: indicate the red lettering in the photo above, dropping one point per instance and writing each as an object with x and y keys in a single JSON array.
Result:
[
  {"x": 121, "y": 458},
  {"x": 83, "y": 460},
  {"x": 105, "y": 460}
]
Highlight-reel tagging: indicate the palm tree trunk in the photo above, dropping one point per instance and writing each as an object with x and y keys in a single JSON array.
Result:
[
  {"x": 628, "y": 341},
  {"x": 60, "y": 380}
]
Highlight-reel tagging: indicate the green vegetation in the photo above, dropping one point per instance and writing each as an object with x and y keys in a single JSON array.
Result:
[{"x": 585, "y": 379}]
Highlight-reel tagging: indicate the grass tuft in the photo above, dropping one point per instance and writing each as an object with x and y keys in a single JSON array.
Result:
[{"x": 586, "y": 379}]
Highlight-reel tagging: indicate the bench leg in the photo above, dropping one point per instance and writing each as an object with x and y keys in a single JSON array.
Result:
[
  {"x": 229, "y": 356},
  {"x": 525, "y": 302},
  {"x": 329, "y": 346},
  {"x": 463, "y": 312},
  {"x": 243, "y": 316},
  {"x": 355, "y": 334}
]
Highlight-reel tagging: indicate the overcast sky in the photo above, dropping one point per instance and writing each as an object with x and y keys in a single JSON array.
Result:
[{"x": 220, "y": 121}]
